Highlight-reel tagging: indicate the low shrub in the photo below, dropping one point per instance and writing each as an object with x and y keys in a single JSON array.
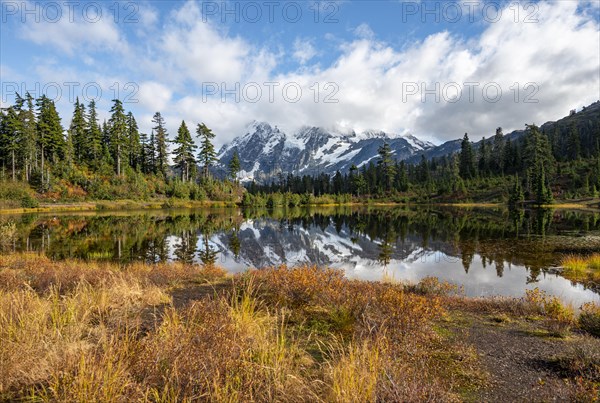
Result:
[
  {"x": 589, "y": 318},
  {"x": 558, "y": 318},
  {"x": 19, "y": 192}
]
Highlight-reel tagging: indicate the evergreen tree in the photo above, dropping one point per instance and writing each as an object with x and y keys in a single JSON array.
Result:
[
  {"x": 497, "y": 161},
  {"x": 386, "y": 164},
  {"x": 467, "y": 160},
  {"x": 29, "y": 136},
  {"x": 484, "y": 158},
  {"x": 543, "y": 193},
  {"x": 94, "y": 136},
  {"x": 539, "y": 162},
  {"x": 338, "y": 183},
  {"x": 118, "y": 134},
  {"x": 509, "y": 157},
  {"x": 207, "y": 155},
  {"x": 10, "y": 135},
  {"x": 160, "y": 133},
  {"x": 50, "y": 131},
  {"x": 423, "y": 174},
  {"x": 144, "y": 164},
  {"x": 69, "y": 151},
  {"x": 106, "y": 158},
  {"x": 516, "y": 196},
  {"x": 78, "y": 134},
  {"x": 234, "y": 166},
  {"x": 537, "y": 150},
  {"x": 402, "y": 177},
  {"x": 134, "y": 146},
  {"x": 458, "y": 185},
  {"x": 359, "y": 184},
  {"x": 184, "y": 153},
  {"x": 151, "y": 153}
]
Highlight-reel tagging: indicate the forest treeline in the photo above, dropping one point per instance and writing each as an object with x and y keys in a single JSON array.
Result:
[
  {"x": 39, "y": 158},
  {"x": 109, "y": 160},
  {"x": 561, "y": 160}
]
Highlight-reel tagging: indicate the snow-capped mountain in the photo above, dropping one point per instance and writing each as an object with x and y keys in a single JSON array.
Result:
[{"x": 265, "y": 151}]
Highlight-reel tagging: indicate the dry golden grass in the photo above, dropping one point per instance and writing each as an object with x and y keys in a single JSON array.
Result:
[
  {"x": 582, "y": 269},
  {"x": 44, "y": 336},
  {"x": 593, "y": 261},
  {"x": 85, "y": 332},
  {"x": 574, "y": 263}
]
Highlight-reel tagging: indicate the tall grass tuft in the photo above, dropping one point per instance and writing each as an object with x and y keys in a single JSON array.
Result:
[
  {"x": 593, "y": 261},
  {"x": 574, "y": 263}
]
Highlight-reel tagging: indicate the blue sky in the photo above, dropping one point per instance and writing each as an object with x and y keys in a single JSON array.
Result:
[{"x": 434, "y": 69}]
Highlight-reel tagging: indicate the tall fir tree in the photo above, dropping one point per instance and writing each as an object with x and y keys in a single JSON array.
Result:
[
  {"x": 538, "y": 163},
  {"x": 423, "y": 174},
  {"x": 134, "y": 146},
  {"x": 50, "y": 131},
  {"x": 161, "y": 149},
  {"x": 537, "y": 153},
  {"x": 106, "y": 158},
  {"x": 484, "y": 158},
  {"x": 207, "y": 155},
  {"x": 144, "y": 165},
  {"x": 516, "y": 196},
  {"x": 10, "y": 135},
  {"x": 386, "y": 163},
  {"x": 184, "y": 152},
  {"x": 234, "y": 166},
  {"x": 543, "y": 191},
  {"x": 29, "y": 139},
  {"x": 94, "y": 135},
  {"x": 151, "y": 153},
  {"x": 497, "y": 161},
  {"x": 118, "y": 134},
  {"x": 78, "y": 133},
  {"x": 467, "y": 159}
]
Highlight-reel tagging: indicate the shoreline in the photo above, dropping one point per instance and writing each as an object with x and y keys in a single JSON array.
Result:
[{"x": 159, "y": 204}]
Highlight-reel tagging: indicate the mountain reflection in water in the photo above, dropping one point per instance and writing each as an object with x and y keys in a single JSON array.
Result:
[{"x": 487, "y": 251}]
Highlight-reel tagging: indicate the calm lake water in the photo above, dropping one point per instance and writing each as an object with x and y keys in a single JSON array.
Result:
[{"x": 487, "y": 251}]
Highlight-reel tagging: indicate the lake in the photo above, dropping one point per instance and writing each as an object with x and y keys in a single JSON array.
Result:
[{"x": 487, "y": 251}]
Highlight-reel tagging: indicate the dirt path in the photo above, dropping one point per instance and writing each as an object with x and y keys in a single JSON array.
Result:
[{"x": 519, "y": 360}]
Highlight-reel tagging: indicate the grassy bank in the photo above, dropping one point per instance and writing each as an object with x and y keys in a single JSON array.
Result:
[
  {"x": 83, "y": 331},
  {"x": 156, "y": 204},
  {"x": 116, "y": 205}
]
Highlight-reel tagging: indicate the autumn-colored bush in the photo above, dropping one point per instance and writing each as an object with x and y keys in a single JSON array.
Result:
[{"x": 559, "y": 318}]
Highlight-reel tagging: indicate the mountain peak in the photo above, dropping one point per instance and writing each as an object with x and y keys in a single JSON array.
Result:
[{"x": 266, "y": 151}]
